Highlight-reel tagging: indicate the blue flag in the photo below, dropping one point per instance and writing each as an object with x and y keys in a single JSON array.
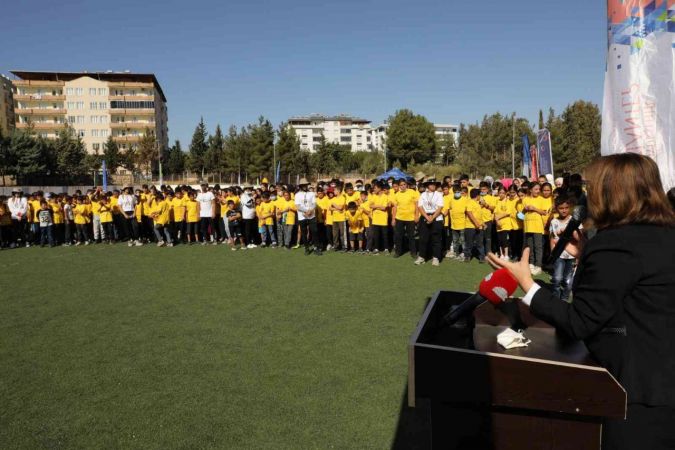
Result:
[
  {"x": 105, "y": 176},
  {"x": 276, "y": 175},
  {"x": 527, "y": 159},
  {"x": 545, "y": 152}
]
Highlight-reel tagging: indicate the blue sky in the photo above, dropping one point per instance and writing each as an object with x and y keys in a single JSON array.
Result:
[{"x": 231, "y": 61}]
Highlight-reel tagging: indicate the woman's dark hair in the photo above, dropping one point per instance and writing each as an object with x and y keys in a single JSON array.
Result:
[
  {"x": 626, "y": 189},
  {"x": 671, "y": 197}
]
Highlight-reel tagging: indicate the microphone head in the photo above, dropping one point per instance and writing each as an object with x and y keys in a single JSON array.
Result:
[{"x": 497, "y": 286}]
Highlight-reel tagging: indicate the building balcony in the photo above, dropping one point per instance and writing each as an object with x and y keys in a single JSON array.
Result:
[
  {"x": 130, "y": 84},
  {"x": 38, "y": 83},
  {"x": 39, "y": 97},
  {"x": 128, "y": 138},
  {"x": 136, "y": 112},
  {"x": 41, "y": 125},
  {"x": 39, "y": 111},
  {"x": 132, "y": 98},
  {"x": 132, "y": 125}
]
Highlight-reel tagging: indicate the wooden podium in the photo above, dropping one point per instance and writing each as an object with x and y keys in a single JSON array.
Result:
[{"x": 550, "y": 395}]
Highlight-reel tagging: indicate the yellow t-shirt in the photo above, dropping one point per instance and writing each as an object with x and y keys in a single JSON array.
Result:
[
  {"x": 80, "y": 214},
  {"x": 447, "y": 199},
  {"x": 338, "y": 200},
  {"x": 365, "y": 210},
  {"x": 474, "y": 208},
  {"x": 265, "y": 209},
  {"x": 547, "y": 205},
  {"x": 488, "y": 215},
  {"x": 322, "y": 205},
  {"x": 355, "y": 221},
  {"x": 355, "y": 197},
  {"x": 114, "y": 205},
  {"x": 379, "y": 217},
  {"x": 35, "y": 207},
  {"x": 58, "y": 212},
  {"x": 458, "y": 212},
  {"x": 515, "y": 206},
  {"x": 192, "y": 208},
  {"x": 258, "y": 213},
  {"x": 148, "y": 203},
  {"x": 178, "y": 207},
  {"x": 534, "y": 222},
  {"x": 105, "y": 212},
  {"x": 406, "y": 204},
  {"x": 138, "y": 212},
  {"x": 95, "y": 208},
  {"x": 163, "y": 211},
  {"x": 292, "y": 210},
  {"x": 504, "y": 207}
]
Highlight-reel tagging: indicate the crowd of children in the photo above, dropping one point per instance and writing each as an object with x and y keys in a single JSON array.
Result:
[{"x": 431, "y": 220}]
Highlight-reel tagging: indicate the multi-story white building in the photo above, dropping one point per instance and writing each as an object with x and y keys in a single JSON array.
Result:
[
  {"x": 379, "y": 133},
  {"x": 95, "y": 104},
  {"x": 341, "y": 129},
  {"x": 6, "y": 105}
]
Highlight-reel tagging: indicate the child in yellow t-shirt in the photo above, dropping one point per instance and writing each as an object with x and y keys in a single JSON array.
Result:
[
  {"x": 104, "y": 209},
  {"x": 267, "y": 212},
  {"x": 354, "y": 219},
  {"x": 535, "y": 209},
  {"x": 365, "y": 210},
  {"x": 473, "y": 227},
  {"x": 192, "y": 217},
  {"x": 286, "y": 212},
  {"x": 161, "y": 215},
  {"x": 502, "y": 215},
  {"x": 337, "y": 209},
  {"x": 457, "y": 214}
]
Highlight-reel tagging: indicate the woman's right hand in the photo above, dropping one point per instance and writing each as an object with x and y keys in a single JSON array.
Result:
[{"x": 520, "y": 270}]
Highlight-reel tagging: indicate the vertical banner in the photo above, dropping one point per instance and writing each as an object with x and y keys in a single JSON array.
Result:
[
  {"x": 276, "y": 174},
  {"x": 545, "y": 152},
  {"x": 639, "y": 99},
  {"x": 535, "y": 162},
  {"x": 104, "y": 171},
  {"x": 527, "y": 160}
]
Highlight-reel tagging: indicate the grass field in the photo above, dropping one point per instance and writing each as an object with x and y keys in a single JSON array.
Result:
[{"x": 201, "y": 347}]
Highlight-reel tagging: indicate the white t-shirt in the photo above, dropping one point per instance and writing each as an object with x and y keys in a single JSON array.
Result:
[
  {"x": 430, "y": 202},
  {"x": 205, "y": 200},
  {"x": 127, "y": 203},
  {"x": 306, "y": 204},
  {"x": 247, "y": 206},
  {"x": 556, "y": 229}
]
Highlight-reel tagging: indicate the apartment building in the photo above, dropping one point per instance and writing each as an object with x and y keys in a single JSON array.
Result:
[
  {"x": 95, "y": 104},
  {"x": 342, "y": 129},
  {"x": 6, "y": 105},
  {"x": 379, "y": 133}
]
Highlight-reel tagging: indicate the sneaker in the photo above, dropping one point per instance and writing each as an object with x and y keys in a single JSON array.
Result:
[
  {"x": 130, "y": 244},
  {"x": 419, "y": 261},
  {"x": 450, "y": 254},
  {"x": 138, "y": 243},
  {"x": 435, "y": 262},
  {"x": 170, "y": 244},
  {"x": 296, "y": 246},
  {"x": 87, "y": 243},
  {"x": 160, "y": 244},
  {"x": 204, "y": 243},
  {"x": 77, "y": 243},
  {"x": 386, "y": 253},
  {"x": 536, "y": 271},
  {"x": 214, "y": 242},
  {"x": 234, "y": 249},
  {"x": 274, "y": 245},
  {"x": 375, "y": 252},
  {"x": 328, "y": 247}
]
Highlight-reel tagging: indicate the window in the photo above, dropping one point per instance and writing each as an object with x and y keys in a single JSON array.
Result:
[
  {"x": 92, "y": 91},
  {"x": 94, "y": 133},
  {"x": 102, "y": 91},
  {"x": 71, "y": 119},
  {"x": 346, "y": 131},
  {"x": 95, "y": 147},
  {"x": 93, "y": 105},
  {"x": 102, "y": 105},
  {"x": 80, "y": 105},
  {"x": 316, "y": 139},
  {"x": 70, "y": 105},
  {"x": 118, "y": 104},
  {"x": 104, "y": 119},
  {"x": 345, "y": 138},
  {"x": 70, "y": 91},
  {"x": 80, "y": 133},
  {"x": 104, "y": 133},
  {"x": 94, "y": 119},
  {"x": 78, "y": 91}
]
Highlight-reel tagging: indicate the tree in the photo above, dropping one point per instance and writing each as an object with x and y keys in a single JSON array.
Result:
[
  {"x": 175, "y": 159},
  {"x": 115, "y": 158},
  {"x": 541, "y": 119},
  {"x": 214, "y": 156},
  {"x": 323, "y": 160},
  {"x": 31, "y": 157},
  {"x": 581, "y": 126},
  {"x": 147, "y": 151},
  {"x": 235, "y": 151},
  {"x": 410, "y": 138},
  {"x": 6, "y": 157},
  {"x": 69, "y": 153},
  {"x": 198, "y": 148},
  {"x": 447, "y": 148},
  {"x": 260, "y": 148},
  {"x": 293, "y": 160}
]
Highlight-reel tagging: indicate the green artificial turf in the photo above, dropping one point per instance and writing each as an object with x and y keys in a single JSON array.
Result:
[{"x": 202, "y": 347}]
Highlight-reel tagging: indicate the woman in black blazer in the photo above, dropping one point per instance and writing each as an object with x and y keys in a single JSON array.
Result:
[{"x": 623, "y": 304}]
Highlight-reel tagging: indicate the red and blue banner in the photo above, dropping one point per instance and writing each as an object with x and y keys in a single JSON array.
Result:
[{"x": 545, "y": 152}]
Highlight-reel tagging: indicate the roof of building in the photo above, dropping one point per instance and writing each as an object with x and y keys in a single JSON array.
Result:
[
  {"x": 103, "y": 76},
  {"x": 325, "y": 118}
]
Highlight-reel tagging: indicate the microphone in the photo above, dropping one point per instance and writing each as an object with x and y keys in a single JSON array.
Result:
[
  {"x": 495, "y": 288},
  {"x": 578, "y": 216}
]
